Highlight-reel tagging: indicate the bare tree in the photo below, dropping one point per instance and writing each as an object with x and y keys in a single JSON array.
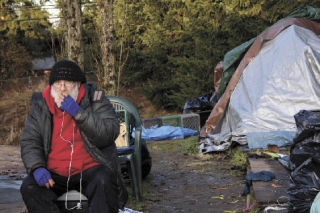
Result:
[
  {"x": 106, "y": 42},
  {"x": 71, "y": 12},
  {"x": 121, "y": 23}
]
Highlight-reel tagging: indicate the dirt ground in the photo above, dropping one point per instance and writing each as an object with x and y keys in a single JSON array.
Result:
[
  {"x": 177, "y": 182},
  {"x": 10, "y": 161},
  {"x": 186, "y": 183},
  {"x": 12, "y": 172}
]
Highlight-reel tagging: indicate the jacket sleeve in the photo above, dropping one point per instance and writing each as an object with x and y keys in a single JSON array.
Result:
[
  {"x": 99, "y": 123},
  {"x": 32, "y": 150}
]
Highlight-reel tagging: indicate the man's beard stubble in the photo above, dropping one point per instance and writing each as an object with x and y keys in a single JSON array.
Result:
[{"x": 74, "y": 94}]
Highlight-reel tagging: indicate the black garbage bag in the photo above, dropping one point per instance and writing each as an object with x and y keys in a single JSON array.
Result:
[
  {"x": 308, "y": 125},
  {"x": 305, "y": 161},
  {"x": 300, "y": 152},
  {"x": 202, "y": 103},
  {"x": 306, "y": 143},
  {"x": 304, "y": 187}
]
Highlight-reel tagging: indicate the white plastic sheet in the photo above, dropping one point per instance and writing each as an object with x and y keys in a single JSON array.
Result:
[{"x": 127, "y": 210}]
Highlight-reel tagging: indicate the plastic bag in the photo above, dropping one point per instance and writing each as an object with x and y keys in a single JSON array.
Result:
[
  {"x": 315, "y": 208},
  {"x": 202, "y": 103},
  {"x": 305, "y": 161},
  {"x": 303, "y": 188},
  {"x": 308, "y": 124}
]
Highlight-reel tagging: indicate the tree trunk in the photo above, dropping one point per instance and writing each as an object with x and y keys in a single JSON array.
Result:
[
  {"x": 123, "y": 34},
  {"x": 106, "y": 42},
  {"x": 71, "y": 10}
]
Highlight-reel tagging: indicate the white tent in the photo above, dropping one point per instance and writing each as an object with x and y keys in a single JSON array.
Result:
[{"x": 281, "y": 80}]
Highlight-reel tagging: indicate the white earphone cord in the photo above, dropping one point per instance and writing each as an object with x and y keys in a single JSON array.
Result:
[{"x": 78, "y": 206}]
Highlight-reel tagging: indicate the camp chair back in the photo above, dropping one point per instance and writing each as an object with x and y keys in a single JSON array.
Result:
[{"x": 128, "y": 115}]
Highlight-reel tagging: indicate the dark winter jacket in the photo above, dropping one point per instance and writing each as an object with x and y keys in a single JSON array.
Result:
[{"x": 98, "y": 126}]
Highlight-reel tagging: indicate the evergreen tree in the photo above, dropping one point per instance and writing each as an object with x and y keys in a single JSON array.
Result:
[
  {"x": 34, "y": 31},
  {"x": 15, "y": 61},
  {"x": 24, "y": 33}
]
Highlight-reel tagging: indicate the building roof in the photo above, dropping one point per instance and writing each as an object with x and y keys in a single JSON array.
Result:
[{"x": 43, "y": 63}]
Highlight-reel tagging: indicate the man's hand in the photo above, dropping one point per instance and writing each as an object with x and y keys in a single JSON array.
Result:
[
  {"x": 70, "y": 106},
  {"x": 43, "y": 177},
  {"x": 59, "y": 99},
  {"x": 50, "y": 183}
]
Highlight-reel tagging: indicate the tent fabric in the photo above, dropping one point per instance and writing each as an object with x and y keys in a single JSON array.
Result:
[
  {"x": 217, "y": 75},
  {"x": 306, "y": 12},
  {"x": 233, "y": 56},
  {"x": 253, "y": 51},
  {"x": 281, "y": 80}
]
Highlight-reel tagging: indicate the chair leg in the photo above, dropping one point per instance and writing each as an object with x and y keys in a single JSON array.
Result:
[
  {"x": 135, "y": 181},
  {"x": 139, "y": 174}
]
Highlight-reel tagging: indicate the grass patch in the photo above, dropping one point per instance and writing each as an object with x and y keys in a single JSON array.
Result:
[
  {"x": 133, "y": 203},
  {"x": 190, "y": 146},
  {"x": 238, "y": 160},
  {"x": 165, "y": 145}
]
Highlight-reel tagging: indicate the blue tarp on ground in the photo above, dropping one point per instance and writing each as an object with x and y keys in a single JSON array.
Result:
[{"x": 165, "y": 133}]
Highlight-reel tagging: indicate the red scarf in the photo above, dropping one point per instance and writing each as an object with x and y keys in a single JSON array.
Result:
[{"x": 65, "y": 134}]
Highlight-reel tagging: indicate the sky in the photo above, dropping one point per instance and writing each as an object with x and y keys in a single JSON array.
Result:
[{"x": 53, "y": 11}]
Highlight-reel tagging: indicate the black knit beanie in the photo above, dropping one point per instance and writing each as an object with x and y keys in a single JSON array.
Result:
[{"x": 66, "y": 70}]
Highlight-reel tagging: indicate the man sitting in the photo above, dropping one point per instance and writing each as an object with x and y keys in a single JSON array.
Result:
[{"x": 68, "y": 143}]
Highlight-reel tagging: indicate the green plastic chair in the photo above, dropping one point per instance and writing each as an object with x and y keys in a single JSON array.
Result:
[{"x": 128, "y": 113}]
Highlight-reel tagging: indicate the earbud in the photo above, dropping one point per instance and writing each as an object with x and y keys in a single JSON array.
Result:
[{"x": 79, "y": 206}]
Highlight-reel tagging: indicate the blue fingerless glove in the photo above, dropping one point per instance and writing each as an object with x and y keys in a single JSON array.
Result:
[
  {"x": 42, "y": 176},
  {"x": 70, "y": 106}
]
